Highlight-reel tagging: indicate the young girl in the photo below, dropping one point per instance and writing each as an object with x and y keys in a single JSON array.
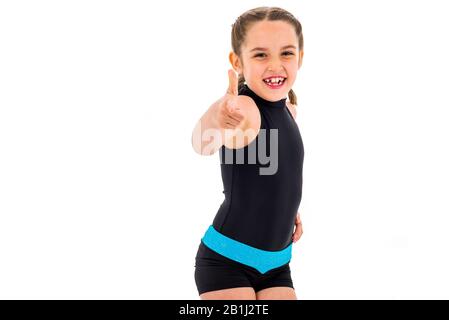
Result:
[{"x": 245, "y": 252}]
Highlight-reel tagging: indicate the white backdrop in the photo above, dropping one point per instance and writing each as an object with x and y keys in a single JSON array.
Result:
[{"x": 102, "y": 196}]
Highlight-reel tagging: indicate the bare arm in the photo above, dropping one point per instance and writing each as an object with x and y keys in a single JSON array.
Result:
[{"x": 207, "y": 134}]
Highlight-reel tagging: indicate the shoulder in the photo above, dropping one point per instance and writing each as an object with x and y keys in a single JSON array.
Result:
[{"x": 292, "y": 108}]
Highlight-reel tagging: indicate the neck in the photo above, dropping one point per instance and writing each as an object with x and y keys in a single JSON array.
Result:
[{"x": 261, "y": 101}]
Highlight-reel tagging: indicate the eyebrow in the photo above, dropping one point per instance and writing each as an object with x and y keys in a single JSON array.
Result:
[{"x": 265, "y": 49}]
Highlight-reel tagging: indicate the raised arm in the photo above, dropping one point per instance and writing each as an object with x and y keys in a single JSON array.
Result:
[
  {"x": 206, "y": 136},
  {"x": 227, "y": 121}
]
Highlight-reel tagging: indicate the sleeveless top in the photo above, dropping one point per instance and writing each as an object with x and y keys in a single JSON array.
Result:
[{"x": 263, "y": 192}]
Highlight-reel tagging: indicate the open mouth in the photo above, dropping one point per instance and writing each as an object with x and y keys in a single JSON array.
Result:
[{"x": 274, "y": 82}]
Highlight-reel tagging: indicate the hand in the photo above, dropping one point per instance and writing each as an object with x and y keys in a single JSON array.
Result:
[
  {"x": 237, "y": 116},
  {"x": 298, "y": 229},
  {"x": 230, "y": 114}
]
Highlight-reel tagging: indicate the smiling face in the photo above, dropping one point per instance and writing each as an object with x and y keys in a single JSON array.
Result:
[{"x": 270, "y": 49}]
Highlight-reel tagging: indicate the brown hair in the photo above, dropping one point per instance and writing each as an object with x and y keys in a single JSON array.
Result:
[{"x": 248, "y": 18}]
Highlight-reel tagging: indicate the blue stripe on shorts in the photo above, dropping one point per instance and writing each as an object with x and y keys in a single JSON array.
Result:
[{"x": 261, "y": 260}]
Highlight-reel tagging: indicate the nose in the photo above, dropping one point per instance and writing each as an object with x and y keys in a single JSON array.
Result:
[{"x": 275, "y": 65}]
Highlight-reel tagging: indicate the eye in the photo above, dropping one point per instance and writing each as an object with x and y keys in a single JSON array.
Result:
[{"x": 285, "y": 53}]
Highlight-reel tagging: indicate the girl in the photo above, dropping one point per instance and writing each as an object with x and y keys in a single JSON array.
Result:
[{"x": 245, "y": 252}]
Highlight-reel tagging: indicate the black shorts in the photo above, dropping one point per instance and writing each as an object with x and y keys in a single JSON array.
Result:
[{"x": 215, "y": 272}]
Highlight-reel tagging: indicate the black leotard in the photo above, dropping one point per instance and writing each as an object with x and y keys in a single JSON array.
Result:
[{"x": 259, "y": 209}]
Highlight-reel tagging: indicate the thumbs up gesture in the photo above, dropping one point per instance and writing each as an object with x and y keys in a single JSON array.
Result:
[
  {"x": 237, "y": 114},
  {"x": 230, "y": 114}
]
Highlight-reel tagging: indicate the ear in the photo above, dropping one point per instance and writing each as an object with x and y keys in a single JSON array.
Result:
[
  {"x": 301, "y": 54},
  {"x": 235, "y": 62}
]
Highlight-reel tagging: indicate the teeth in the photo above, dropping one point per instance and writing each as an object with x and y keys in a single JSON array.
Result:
[{"x": 274, "y": 80}]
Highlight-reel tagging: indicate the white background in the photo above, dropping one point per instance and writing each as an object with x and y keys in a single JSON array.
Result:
[{"x": 102, "y": 196}]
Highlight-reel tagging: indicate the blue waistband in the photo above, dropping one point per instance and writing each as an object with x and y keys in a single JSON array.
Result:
[{"x": 259, "y": 259}]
